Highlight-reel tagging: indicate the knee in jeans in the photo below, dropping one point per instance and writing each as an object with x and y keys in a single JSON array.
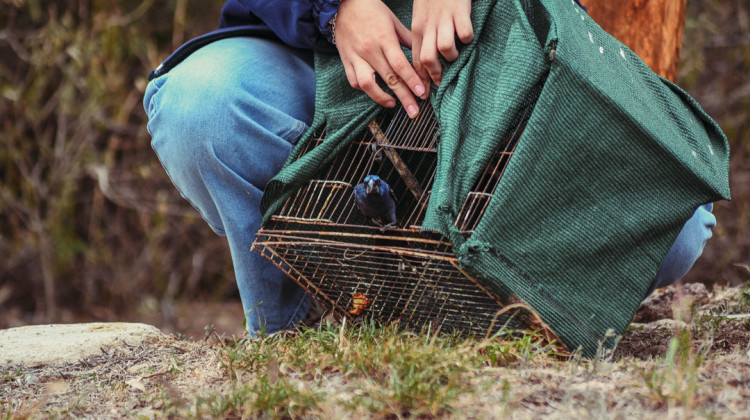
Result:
[{"x": 184, "y": 124}]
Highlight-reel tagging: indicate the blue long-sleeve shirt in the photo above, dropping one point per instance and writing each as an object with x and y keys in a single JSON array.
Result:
[{"x": 298, "y": 23}]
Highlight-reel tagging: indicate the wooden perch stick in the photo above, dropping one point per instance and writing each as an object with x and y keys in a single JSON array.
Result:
[{"x": 411, "y": 181}]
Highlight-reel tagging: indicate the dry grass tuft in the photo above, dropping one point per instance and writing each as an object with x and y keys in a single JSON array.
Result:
[{"x": 368, "y": 371}]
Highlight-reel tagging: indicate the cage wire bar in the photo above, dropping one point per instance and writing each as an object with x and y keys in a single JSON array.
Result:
[{"x": 322, "y": 241}]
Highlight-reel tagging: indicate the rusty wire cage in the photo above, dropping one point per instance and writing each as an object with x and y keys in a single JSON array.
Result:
[{"x": 323, "y": 242}]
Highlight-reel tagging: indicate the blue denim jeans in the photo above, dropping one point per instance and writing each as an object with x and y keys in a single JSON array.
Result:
[{"x": 223, "y": 122}]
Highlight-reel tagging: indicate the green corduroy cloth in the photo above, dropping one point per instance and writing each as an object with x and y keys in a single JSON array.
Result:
[{"x": 613, "y": 161}]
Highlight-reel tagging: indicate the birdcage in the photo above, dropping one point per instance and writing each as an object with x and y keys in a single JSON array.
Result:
[{"x": 357, "y": 269}]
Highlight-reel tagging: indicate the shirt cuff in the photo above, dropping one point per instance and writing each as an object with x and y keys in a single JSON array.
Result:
[{"x": 323, "y": 14}]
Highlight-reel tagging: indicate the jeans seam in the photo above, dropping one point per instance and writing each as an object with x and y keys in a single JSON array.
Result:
[
  {"x": 153, "y": 104},
  {"x": 298, "y": 131},
  {"x": 217, "y": 230},
  {"x": 298, "y": 315}
]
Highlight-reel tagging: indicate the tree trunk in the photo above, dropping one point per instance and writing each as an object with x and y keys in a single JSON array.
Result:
[{"x": 651, "y": 28}]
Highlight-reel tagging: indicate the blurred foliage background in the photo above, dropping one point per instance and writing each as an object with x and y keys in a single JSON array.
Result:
[{"x": 92, "y": 229}]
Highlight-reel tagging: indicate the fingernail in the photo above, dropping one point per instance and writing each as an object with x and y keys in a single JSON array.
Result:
[
  {"x": 412, "y": 111},
  {"x": 390, "y": 104},
  {"x": 419, "y": 90}
]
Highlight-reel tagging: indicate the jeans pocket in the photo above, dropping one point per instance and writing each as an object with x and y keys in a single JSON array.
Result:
[
  {"x": 299, "y": 130},
  {"x": 150, "y": 101}
]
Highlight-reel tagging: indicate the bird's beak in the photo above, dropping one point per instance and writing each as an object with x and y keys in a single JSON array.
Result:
[{"x": 370, "y": 186}]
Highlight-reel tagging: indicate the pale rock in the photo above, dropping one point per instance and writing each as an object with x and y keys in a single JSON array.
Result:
[{"x": 56, "y": 344}]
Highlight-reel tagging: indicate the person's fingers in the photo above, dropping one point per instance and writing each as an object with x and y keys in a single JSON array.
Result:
[
  {"x": 403, "y": 93},
  {"x": 416, "y": 50},
  {"x": 367, "y": 82},
  {"x": 428, "y": 56},
  {"x": 351, "y": 75},
  {"x": 401, "y": 65},
  {"x": 446, "y": 41},
  {"x": 402, "y": 32},
  {"x": 464, "y": 29},
  {"x": 435, "y": 26},
  {"x": 462, "y": 22},
  {"x": 404, "y": 72},
  {"x": 369, "y": 39},
  {"x": 417, "y": 63},
  {"x": 388, "y": 69},
  {"x": 361, "y": 75}
]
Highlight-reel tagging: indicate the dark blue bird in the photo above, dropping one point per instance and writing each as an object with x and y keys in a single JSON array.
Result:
[{"x": 375, "y": 199}]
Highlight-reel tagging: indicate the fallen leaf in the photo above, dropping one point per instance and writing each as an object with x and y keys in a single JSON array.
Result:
[
  {"x": 138, "y": 368},
  {"x": 272, "y": 369},
  {"x": 56, "y": 387},
  {"x": 137, "y": 384}
]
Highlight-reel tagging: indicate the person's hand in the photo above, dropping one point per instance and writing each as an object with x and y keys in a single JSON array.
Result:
[
  {"x": 434, "y": 25},
  {"x": 368, "y": 36}
]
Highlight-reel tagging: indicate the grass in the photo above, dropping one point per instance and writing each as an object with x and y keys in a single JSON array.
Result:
[
  {"x": 370, "y": 371},
  {"x": 382, "y": 372},
  {"x": 673, "y": 380}
]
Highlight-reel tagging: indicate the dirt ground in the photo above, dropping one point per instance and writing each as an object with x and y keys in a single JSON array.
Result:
[{"x": 164, "y": 377}]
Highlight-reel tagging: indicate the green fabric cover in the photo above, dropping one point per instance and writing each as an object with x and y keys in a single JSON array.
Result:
[{"x": 613, "y": 161}]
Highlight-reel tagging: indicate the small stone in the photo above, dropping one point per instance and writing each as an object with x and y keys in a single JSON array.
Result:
[
  {"x": 665, "y": 324},
  {"x": 40, "y": 345}
]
